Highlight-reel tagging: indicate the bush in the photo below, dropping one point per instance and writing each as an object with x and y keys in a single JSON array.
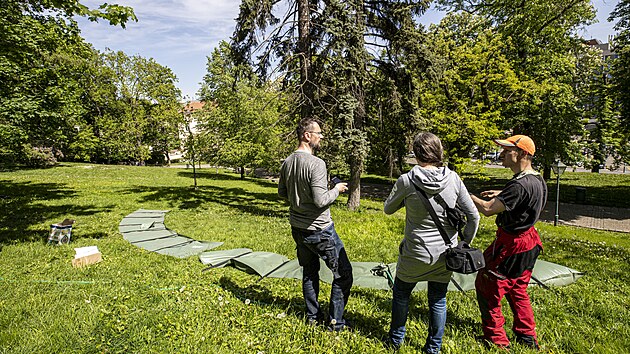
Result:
[{"x": 42, "y": 156}]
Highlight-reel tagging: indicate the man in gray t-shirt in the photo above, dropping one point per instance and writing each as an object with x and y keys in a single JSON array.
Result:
[{"x": 303, "y": 182}]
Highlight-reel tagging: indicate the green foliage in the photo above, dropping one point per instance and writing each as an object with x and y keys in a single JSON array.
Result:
[
  {"x": 621, "y": 76},
  {"x": 468, "y": 87},
  {"x": 537, "y": 41},
  {"x": 42, "y": 156},
  {"x": 139, "y": 301},
  {"x": 39, "y": 66},
  {"x": 13, "y": 142},
  {"x": 114, "y": 14},
  {"x": 133, "y": 111},
  {"x": 244, "y": 123},
  {"x": 61, "y": 96},
  {"x": 85, "y": 145}
]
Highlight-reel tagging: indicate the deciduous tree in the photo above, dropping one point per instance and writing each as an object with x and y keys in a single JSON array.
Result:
[{"x": 243, "y": 123}]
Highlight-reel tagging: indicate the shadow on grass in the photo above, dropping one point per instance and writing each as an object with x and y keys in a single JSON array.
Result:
[
  {"x": 23, "y": 207},
  {"x": 373, "y": 325},
  {"x": 206, "y": 174},
  {"x": 608, "y": 196},
  {"x": 590, "y": 216},
  {"x": 371, "y": 187},
  {"x": 254, "y": 203},
  {"x": 367, "y": 325},
  {"x": 418, "y": 311}
]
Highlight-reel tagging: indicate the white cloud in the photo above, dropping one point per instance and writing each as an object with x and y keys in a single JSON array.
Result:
[{"x": 179, "y": 34}]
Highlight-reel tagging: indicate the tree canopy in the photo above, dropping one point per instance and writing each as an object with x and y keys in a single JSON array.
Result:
[
  {"x": 368, "y": 71},
  {"x": 61, "y": 99}
]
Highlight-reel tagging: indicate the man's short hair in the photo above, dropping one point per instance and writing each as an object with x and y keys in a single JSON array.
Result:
[
  {"x": 428, "y": 148},
  {"x": 304, "y": 125}
]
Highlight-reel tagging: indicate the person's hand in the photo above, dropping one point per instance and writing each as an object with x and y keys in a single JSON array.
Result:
[
  {"x": 490, "y": 194},
  {"x": 342, "y": 187}
]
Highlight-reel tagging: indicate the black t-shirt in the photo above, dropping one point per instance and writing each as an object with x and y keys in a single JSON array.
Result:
[{"x": 524, "y": 198}]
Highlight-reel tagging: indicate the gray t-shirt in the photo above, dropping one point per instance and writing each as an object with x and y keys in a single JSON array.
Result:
[{"x": 304, "y": 183}]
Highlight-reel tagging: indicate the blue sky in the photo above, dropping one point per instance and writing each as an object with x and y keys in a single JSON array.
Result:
[{"x": 180, "y": 34}]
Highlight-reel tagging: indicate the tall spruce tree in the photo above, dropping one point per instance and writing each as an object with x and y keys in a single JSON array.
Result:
[{"x": 324, "y": 58}]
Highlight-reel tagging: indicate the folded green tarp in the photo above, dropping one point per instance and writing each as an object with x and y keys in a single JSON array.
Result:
[
  {"x": 145, "y": 229},
  {"x": 218, "y": 259},
  {"x": 271, "y": 265}
]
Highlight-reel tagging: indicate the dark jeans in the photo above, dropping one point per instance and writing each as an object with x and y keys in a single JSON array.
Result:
[
  {"x": 325, "y": 244},
  {"x": 437, "y": 313}
]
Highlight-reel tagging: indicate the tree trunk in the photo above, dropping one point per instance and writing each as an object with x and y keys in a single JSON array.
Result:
[
  {"x": 390, "y": 163},
  {"x": 357, "y": 159},
  {"x": 359, "y": 153},
  {"x": 354, "y": 184},
  {"x": 242, "y": 172},
  {"x": 306, "y": 87}
]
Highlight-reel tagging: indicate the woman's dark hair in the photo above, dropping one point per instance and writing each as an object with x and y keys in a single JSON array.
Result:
[
  {"x": 304, "y": 125},
  {"x": 428, "y": 148}
]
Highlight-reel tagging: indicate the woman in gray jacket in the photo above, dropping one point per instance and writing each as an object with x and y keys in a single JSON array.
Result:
[{"x": 421, "y": 250}]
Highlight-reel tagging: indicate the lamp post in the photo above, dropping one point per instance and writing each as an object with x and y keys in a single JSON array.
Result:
[{"x": 558, "y": 168}]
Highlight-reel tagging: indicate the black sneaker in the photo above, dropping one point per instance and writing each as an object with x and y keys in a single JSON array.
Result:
[
  {"x": 488, "y": 344},
  {"x": 527, "y": 341}
]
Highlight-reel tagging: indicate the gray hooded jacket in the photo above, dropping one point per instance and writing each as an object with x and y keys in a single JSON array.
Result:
[{"x": 420, "y": 253}]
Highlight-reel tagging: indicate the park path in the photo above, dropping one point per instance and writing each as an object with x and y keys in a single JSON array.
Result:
[{"x": 590, "y": 216}]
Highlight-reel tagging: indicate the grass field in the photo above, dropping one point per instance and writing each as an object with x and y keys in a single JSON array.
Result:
[{"x": 142, "y": 302}]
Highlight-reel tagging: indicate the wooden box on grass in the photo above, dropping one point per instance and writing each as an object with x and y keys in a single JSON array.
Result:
[{"x": 87, "y": 260}]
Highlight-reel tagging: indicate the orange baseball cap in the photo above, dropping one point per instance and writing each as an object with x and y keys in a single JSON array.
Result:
[{"x": 522, "y": 142}]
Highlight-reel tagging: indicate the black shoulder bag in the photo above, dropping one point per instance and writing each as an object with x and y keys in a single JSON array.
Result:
[{"x": 461, "y": 258}]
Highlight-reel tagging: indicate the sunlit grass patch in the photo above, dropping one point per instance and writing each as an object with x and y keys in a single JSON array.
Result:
[{"x": 139, "y": 301}]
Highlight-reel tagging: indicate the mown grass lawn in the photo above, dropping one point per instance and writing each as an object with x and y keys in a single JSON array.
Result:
[{"x": 138, "y": 301}]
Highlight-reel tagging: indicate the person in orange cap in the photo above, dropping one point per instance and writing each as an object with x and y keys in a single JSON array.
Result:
[{"x": 512, "y": 255}]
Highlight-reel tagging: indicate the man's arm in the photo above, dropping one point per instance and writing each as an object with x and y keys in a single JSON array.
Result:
[
  {"x": 488, "y": 207},
  {"x": 282, "y": 187},
  {"x": 322, "y": 197}
]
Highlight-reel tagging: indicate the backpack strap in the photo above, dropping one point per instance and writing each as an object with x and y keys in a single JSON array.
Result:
[
  {"x": 460, "y": 223},
  {"x": 438, "y": 198}
]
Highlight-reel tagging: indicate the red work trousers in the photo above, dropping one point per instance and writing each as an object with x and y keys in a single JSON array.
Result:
[
  {"x": 492, "y": 286},
  {"x": 490, "y": 291}
]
